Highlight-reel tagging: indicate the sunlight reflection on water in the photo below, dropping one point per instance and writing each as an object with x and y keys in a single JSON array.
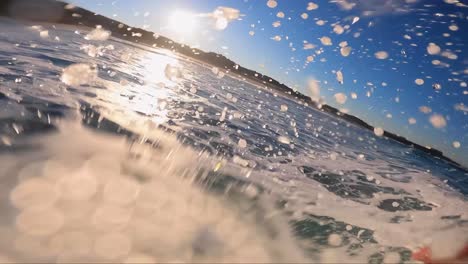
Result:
[{"x": 151, "y": 98}]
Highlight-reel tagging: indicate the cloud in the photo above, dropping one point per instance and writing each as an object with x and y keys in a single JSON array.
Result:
[
  {"x": 222, "y": 15},
  {"x": 377, "y": 7},
  {"x": 461, "y": 107}
]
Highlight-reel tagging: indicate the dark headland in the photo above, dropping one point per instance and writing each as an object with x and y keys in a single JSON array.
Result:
[{"x": 50, "y": 11}]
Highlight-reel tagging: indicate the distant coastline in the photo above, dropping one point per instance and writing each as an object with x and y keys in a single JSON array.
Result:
[{"x": 50, "y": 11}]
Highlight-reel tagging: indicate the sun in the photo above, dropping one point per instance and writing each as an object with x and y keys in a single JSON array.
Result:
[{"x": 183, "y": 23}]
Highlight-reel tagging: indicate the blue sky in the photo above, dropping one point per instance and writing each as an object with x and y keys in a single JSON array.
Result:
[{"x": 389, "y": 82}]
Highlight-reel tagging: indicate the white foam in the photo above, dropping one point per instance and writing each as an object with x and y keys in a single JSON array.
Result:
[{"x": 115, "y": 217}]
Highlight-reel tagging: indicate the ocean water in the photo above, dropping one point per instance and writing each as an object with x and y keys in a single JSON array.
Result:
[{"x": 141, "y": 155}]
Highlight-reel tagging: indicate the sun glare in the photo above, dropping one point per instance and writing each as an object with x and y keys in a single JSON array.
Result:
[{"x": 182, "y": 22}]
